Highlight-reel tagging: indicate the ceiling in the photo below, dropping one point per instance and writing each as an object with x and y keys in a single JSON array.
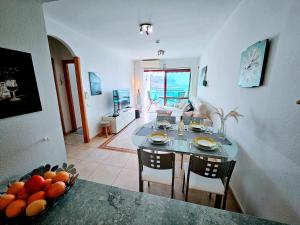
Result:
[{"x": 184, "y": 27}]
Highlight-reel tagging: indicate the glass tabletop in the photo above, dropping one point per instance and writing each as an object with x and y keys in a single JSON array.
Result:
[{"x": 183, "y": 144}]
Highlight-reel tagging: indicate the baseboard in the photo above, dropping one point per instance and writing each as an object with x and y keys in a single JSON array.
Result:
[{"x": 237, "y": 200}]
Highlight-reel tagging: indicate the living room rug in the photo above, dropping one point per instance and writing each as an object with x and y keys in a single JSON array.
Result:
[
  {"x": 109, "y": 145},
  {"x": 123, "y": 140}
]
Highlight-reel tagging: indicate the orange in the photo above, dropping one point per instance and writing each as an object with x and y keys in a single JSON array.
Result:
[
  {"x": 15, "y": 208},
  {"x": 56, "y": 189},
  {"x": 48, "y": 183},
  {"x": 5, "y": 200},
  {"x": 15, "y": 187},
  {"x": 36, "y": 196},
  {"x": 36, "y": 207},
  {"x": 49, "y": 175},
  {"x": 61, "y": 176},
  {"x": 23, "y": 194}
]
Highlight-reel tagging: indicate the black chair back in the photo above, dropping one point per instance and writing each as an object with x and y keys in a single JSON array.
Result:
[
  {"x": 160, "y": 161},
  {"x": 217, "y": 170},
  {"x": 211, "y": 169},
  {"x": 156, "y": 160}
]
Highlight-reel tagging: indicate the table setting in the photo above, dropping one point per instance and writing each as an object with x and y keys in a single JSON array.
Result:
[{"x": 194, "y": 139}]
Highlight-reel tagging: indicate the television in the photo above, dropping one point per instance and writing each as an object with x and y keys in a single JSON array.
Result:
[{"x": 121, "y": 98}]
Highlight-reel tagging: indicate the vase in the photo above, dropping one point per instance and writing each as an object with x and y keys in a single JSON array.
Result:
[{"x": 222, "y": 129}]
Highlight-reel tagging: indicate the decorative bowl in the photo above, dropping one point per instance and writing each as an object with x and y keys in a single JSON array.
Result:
[{"x": 51, "y": 202}]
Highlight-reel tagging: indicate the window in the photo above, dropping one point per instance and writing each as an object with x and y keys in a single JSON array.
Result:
[{"x": 168, "y": 87}]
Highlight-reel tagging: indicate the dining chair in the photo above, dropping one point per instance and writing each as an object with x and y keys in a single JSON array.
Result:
[
  {"x": 208, "y": 176},
  {"x": 170, "y": 119},
  {"x": 156, "y": 167},
  {"x": 151, "y": 100}
]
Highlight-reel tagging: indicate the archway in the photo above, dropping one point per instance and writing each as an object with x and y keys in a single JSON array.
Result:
[{"x": 69, "y": 88}]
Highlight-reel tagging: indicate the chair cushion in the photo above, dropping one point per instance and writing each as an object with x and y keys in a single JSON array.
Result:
[
  {"x": 157, "y": 176},
  {"x": 206, "y": 184}
]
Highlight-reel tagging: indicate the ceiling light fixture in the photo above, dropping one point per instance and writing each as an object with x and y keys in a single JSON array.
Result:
[
  {"x": 146, "y": 28},
  {"x": 161, "y": 52}
]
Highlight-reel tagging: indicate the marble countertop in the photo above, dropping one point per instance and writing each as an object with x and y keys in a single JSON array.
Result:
[{"x": 92, "y": 203}]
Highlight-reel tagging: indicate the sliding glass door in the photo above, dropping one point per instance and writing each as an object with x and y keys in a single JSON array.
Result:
[
  {"x": 167, "y": 87},
  {"x": 177, "y": 86}
]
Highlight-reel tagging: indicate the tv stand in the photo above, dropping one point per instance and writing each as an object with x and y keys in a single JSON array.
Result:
[{"x": 119, "y": 122}]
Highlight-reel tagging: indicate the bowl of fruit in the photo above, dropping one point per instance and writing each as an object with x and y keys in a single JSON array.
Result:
[{"x": 35, "y": 192}]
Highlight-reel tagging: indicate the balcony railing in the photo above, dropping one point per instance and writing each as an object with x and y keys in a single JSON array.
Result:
[{"x": 173, "y": 96}]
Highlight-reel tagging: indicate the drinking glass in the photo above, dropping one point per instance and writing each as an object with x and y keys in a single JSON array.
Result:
[
  {"x": 13, "y": 87},
  {"x": 189, "y": 142}
]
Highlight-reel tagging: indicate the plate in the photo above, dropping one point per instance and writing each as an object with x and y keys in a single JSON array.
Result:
[
  {"x": 158, "y": 137},
  {"x": 158, "y": 142},
  {"x": 205, "y": 143},
  {"x": 163, "y": 123},
  {"x": 198, "y": 127}
]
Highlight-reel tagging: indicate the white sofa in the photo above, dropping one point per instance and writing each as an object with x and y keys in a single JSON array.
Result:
[{"x": 201, "y": 110}]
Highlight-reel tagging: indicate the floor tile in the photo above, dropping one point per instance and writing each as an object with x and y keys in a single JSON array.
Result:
[
  {"x": 116, "y": 158},
  {"x": 97, "y": 155},
  {"x": 79, "y": 153},
  {"x": 73, "y": 161},
  {"x": 132, "y": 162},
  {"x": 105, "y": 174},
  {"x": 127, "y": 179},
  {"x": 86, "y": 168}
]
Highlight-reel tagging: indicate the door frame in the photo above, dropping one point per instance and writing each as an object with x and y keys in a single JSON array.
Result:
[
  {"x": 58, "y": 99},
  {"x": 65, "y": 64},
  {"x": 81, "y": 98}
]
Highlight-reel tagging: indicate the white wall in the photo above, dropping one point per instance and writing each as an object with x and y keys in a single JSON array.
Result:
[
  {"x": 59, "y": 53},
  {"x": 21, "y": 147},
  {"x": 267, "y": 174},
  {"x": 116, "y": 70}
]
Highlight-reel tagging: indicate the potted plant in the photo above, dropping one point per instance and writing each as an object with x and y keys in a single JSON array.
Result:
[{"x": 223, "y": 118}]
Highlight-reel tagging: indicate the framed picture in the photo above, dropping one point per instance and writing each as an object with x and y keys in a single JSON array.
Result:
[
  {"x": 252, "y": 65},
  {"x": 95, "y": 83},
  {"x": 202, "y": 76},
  {"x": 18, "y": 88}
]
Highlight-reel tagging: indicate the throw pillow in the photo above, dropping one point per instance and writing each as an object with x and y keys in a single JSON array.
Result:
[
  {"x": 191, "y": 106},
  {"x": 186, "y": 107},
  {"x": 203, "y": 109}
]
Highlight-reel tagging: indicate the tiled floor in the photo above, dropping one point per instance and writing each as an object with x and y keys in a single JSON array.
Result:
[{"x": 120, "y": 169}]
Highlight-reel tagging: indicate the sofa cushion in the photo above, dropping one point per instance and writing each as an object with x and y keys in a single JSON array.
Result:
[
  {"x": 188, "y": 114},
  {"x": 164, "y": 112},
  {"x": 197, "y": 114},
  {"x": 203, "y": 109}
]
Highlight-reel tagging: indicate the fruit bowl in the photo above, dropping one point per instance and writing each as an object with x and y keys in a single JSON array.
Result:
[{"x": 34, "y": 193}]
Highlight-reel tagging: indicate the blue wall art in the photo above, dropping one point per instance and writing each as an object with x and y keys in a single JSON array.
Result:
[
  {"x": 252, "y": 64},
  {"x": 95, "y": 83}
]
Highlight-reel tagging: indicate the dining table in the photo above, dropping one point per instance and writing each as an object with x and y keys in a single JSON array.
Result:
[{"x": 183, "y": 144}]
